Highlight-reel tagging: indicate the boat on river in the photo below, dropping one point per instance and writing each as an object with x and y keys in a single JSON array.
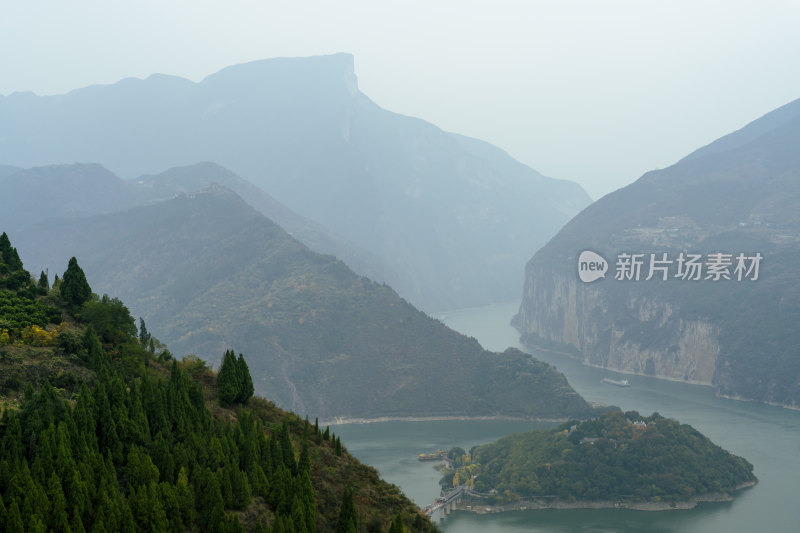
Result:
[{"x": 617, "y": 382}]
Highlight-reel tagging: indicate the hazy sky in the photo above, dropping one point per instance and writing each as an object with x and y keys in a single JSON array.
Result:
[{"x": 594, "y": 91}]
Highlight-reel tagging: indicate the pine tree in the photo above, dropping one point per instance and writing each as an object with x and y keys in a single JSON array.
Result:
[
  {"x": 5, "y": 248},
  {"x": 240, "y": 489},
  {"x": 185, "y": 498},
  {"x": 76, "y": 524},
  {"x": 59, "y": 519},
  {"x": 397, "y": 524},
  {"x": 245, "y": 381},
  {"x": 309, "y": 501},
  {"x": 304, "y": 463},
  {"x": 337, "y": 447},
  {"x": 347, "y": 513},
  {"x": 287, "y": 450},
  {"x": 74, "y": 288},
  {"x": 44, "y": 284},
  {"x": 258, "y": 481},
  {"x": 36, "y": 524},
  {"x": 228, "y": 379},
  {"x": 2, "y": 510},
  {"x": 8, "y": 254},
  {"x": 144, "y": 336},
  {"x": 14, "y": 522}
]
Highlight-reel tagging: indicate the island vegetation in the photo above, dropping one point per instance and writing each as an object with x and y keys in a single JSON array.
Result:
[
  {"x": 103, "y": 430},
  {"x": 614, "y": 458}
]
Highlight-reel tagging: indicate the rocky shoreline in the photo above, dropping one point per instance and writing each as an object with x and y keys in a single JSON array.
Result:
[
  {"x": 533, "y": 346},
  {"x": 537, "y": 504},
  {"x": 341, "y": 420}
]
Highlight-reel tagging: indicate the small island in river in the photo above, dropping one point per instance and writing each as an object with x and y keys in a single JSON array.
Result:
[{"x": 618, "y": 459}]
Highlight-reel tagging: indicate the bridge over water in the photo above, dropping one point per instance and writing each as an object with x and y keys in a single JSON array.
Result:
[{"x": 446, "y": 502}]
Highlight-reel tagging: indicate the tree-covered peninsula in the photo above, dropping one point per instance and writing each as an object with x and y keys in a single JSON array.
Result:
[{"x": 617, "y": 460}]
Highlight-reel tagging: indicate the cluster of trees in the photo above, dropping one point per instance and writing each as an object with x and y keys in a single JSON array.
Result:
[
  {"x": 607, "y": 458},
  {"x": 136, "y": 447},
  {"x": 140, "y": 452},
  {"x": 24, "y": 313},
  {"x": 20, "y": 309},
  {"x": 233, "y": 381},
  {"x": 145, "y": 456},
  {"x": 12, "y": 275}
]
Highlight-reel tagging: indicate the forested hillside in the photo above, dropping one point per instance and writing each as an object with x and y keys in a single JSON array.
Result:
[
  {"x": 209, "y": 274},
  {"x": 102, "y": 429}
]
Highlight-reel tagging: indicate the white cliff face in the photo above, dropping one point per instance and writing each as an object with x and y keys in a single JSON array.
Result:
[
  {"x": 559, "y": 311},
  {"x": 692, "y": 359}
]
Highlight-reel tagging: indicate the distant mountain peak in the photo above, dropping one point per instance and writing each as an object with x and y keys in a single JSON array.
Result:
[
  {"x": 449, "y": 221},
  {"x": 313, "y": 71}
]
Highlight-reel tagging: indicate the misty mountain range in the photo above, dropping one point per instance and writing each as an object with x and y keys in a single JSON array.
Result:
[
  {"x": 447, "y": 220},
  {"x": 209, "y": 273}
]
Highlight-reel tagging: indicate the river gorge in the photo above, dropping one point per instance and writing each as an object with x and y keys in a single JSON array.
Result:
[{"x": 769, "y": 437}]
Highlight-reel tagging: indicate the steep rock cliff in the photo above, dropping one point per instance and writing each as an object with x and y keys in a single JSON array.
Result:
[{"x": 739, "y": 195}]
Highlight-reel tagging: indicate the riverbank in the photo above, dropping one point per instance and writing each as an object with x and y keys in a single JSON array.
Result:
[
  {"x": 581, "y": 359},
  {"x": 530, "y": 346},
  {"x": 538, "y": 504},
  {"x": 342, "y": 420},
  {"x": 750, "y": 400}
]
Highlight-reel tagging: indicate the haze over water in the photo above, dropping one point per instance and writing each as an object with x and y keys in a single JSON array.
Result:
[{"x": 768, "y": 437}]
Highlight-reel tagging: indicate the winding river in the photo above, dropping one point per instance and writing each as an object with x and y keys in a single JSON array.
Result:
[{"x": 769, "y": 437}]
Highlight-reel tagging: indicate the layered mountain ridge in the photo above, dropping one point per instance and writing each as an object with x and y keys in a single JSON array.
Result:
[
  {"x": 450, "y": 220},
  {"x": 210, "y": 274}
]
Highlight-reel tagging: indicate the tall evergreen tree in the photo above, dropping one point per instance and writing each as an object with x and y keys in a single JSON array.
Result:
[
  {"x": 234, "y": 380},
  {"x": 337, "y": 447},
  {"x": 144, "y": 335},
  {"x": 397, "y": 524},
  {"x": 44, "y": 283},
  {"x": 14, "y": 522},
  {"x": 228, "y": 379},
  {"x": 5, "y": 248},
  {"x": 74, "y": 287},
  {"x": 347, "y": 513},
  {"x": 9, "y": 254},
  {"x": 2, "y": 511},
  {"x": 245, "y": 381}
]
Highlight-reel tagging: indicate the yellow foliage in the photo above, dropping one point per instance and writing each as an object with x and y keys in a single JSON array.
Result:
[
  {"x": 36, "y": 336},
  {"x": 4, "y": 337}
]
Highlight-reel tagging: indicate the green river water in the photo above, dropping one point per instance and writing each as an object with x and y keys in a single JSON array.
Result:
[{"x": 769, "y": 437}]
